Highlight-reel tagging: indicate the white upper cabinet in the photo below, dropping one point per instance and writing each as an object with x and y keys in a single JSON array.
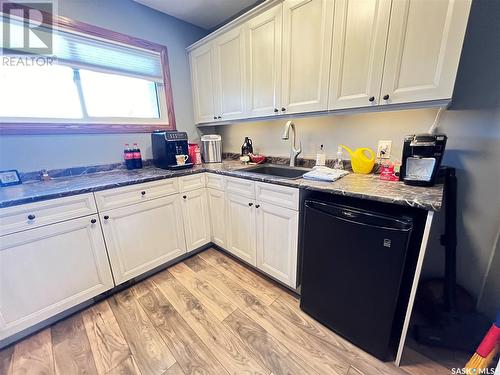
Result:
[
  {"x": 229, "y": 74},
  {"x": 423, "y": 49},
  {"x": 201, "y": 63},
  {"x": 299, "y": 56},
  {"x": 307, "y": 43},
  {"x": 263, "y": 46},
  {"x": 359, "y": 39}
]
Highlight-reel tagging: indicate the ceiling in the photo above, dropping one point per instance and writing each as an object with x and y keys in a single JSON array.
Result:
[{"x": 203, "y": 13}]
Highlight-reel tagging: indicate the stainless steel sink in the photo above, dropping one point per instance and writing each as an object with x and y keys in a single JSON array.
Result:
[{"x": 274, "y": 170}]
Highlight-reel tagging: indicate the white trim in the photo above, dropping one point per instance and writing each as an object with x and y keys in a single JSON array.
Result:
[
  {"x": 416, "y": 278},
  {"x": 333, "y": 112}
]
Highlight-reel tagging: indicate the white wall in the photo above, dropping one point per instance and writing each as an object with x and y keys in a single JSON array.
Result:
[
  {"x": 360, "y": 130},
  {"x": 29, "y": 153}
]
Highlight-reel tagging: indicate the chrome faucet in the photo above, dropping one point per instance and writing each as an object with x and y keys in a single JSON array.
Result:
[{"x": 293, "y": 151}]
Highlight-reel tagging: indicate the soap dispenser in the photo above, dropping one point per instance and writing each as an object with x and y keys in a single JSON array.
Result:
[
  {"x": 339, "y": 162},
  {"x": 320, "y": 157}
]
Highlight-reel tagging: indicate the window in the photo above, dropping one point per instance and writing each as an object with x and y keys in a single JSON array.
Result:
[{"x": 97, "y": 81}]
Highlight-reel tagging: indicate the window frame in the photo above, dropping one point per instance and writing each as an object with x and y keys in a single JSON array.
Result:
[{"x": 103, "y": 125}]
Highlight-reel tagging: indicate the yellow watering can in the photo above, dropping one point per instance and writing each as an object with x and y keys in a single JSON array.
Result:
[{"x": 360, "y": 163}]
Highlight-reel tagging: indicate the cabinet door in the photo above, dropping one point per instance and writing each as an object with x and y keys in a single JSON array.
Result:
[
  {"x": 307, "y": 43},
  {"x": 217, "y": 207},
  {"x": 263, "y": 47},
  {"x": 359, "y": 40},
  {"x": 143, "y": 236},
  {"x": 47, "y": 270},
  {"x": 196, "y": 218},
  {"x": 423, "y": 49},
  {"x": 241, "y": 227},
  {"x": 277, "y": 231},
  {"x": 229, "y": 73},
  {"x": 201, "y": 62}
]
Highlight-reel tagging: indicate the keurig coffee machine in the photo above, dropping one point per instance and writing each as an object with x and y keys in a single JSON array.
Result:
[
  {"x": 422, "y": 155},
  {"x": 166, "y": 146}
]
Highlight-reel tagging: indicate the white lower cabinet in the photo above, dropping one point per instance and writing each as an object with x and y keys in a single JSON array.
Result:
[
  {"x": 265, "y": 234},
  {"x": 143, "y": 236},
  {"x": 217, "y": 208},
  {"x": 196, "y": 217},
  {"x": 241, "y": 227},
  {"x": 277, "y": 231},
  {"x": 47, "y": 270}
]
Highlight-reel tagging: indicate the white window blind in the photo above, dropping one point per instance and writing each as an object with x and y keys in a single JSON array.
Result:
[{"x": 94, "y": 54}]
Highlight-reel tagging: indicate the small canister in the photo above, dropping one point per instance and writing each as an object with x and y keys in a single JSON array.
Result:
[{"x": 211, "y": 148}]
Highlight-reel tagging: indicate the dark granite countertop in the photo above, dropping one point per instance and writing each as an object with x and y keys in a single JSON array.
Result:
[{"x": 359, "y": 186}]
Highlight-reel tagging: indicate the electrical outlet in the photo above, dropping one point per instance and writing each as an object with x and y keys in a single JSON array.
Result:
[{"x": 384, "y": 149}]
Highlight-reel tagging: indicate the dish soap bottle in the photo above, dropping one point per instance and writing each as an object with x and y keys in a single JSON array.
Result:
[
  {"x": 247, "y": 147},
  {"x": 320, "y": 157},
  {"x": 339, "y": 163}
]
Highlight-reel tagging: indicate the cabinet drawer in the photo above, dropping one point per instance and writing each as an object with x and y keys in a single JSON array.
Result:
[
  {"x": 283, "y": 196},
  {"x": 33, "y": 215},
  {"x": 192, "y": 182},
  {"x": 215, "y": 181},
  {"x": 124, "y": 196},
  {"x": 240, "y": 186}
]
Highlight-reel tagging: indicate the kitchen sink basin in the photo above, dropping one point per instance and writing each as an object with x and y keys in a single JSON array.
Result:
[{"x": 281, "y": 171}]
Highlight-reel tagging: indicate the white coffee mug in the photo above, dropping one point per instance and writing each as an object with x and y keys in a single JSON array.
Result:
[{"x": 181, "y": 159}]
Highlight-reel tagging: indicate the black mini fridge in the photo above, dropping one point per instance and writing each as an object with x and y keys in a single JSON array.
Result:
[{"x": 353, "y": 262}]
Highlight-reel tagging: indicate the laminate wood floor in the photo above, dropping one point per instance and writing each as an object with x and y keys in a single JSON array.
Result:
[{"x": 206, "y": 315}]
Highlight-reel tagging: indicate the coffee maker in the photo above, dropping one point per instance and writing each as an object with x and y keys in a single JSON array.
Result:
[
  {"x": 422, "y": 155},
  {"x": 166, "y": 145}
]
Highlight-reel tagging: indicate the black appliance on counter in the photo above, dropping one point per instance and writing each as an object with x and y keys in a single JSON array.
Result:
[
  {"x": 422, "y": 155},
  {"x": 358, "y": 262},
  {"x": 166, "y": 145}
]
